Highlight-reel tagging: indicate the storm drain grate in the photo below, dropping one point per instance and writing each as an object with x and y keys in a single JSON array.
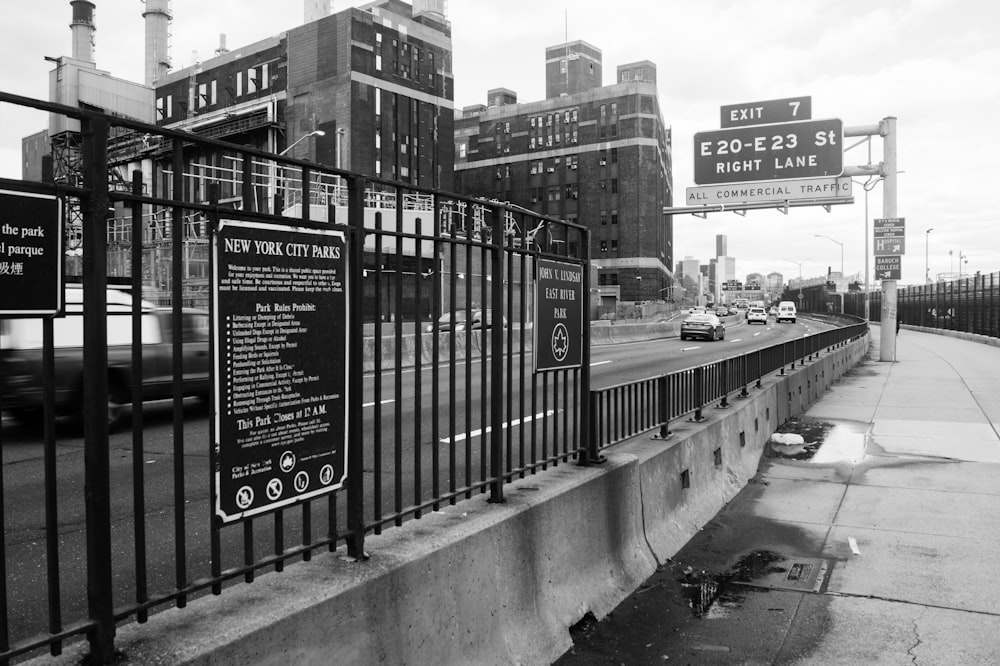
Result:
[{"x": 800, "y": 575}]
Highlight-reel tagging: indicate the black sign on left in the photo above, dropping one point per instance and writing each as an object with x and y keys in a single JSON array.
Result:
[
  {"x": 558, "y": 342},
  {"x": 31, "y": 254},
  {"x": 280, "y": 365}
]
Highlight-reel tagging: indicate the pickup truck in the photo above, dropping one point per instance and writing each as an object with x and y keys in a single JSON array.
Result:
[{"x": 21, "y": 377}]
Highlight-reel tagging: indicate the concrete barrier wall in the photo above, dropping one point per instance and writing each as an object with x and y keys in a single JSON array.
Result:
[{"x": 494, "y": 583}]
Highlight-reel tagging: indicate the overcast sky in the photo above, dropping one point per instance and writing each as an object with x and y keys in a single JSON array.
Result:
[{"x": 934, "y": 65}]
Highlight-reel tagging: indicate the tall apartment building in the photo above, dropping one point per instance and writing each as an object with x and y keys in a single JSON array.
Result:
[
  {"x": 375, "y": 81},
  {"x": 591, "y": 154}
]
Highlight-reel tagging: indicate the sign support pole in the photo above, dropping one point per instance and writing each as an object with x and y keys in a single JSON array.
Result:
[{"x": 887, "y": 336}]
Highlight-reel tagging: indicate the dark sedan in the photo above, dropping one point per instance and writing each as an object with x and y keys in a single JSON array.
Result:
[{"x": 705, "y": 326}]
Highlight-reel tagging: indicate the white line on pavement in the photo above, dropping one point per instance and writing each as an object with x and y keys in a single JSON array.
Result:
[{"x": 516, "y": 422}]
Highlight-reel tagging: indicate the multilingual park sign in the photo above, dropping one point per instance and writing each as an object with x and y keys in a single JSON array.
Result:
[
  {"x": 31, "y": 254},
  {"x": 558, "y": 341},
  {"x": 280, "y": 355}
]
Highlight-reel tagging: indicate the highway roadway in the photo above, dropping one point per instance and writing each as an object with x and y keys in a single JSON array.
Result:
[{"x": 23, "y": 472}]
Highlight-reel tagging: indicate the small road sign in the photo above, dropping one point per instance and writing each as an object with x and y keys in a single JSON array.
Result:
[
  {"x": 772, "y": 190},
  {"x": 889, "y": 235},
  {"x": 888, "y": 267},
  {"x": 765, "y": 113}
]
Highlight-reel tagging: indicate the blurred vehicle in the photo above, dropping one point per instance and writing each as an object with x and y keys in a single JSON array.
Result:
[
  {"x": 734, "y": 310},
  {"x": 756, "y": 314},
  {"x": 786, "y": 312},
  {"x": 456, "y": 320},
  {"x": 702, "y": 325},
  {"x": 773, "y": 311},
  {"x": 696, "y": 309},
  {"x": 721, "y": 312},
  {"x": 21, "y": 378}
]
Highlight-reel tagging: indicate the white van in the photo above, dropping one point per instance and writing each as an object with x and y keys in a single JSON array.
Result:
[{"x": 786, "y": 310}]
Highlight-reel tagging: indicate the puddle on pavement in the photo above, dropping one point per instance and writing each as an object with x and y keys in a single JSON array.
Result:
[
  {"x": 715, "y": 596},
  {"x": 824, "y": 443}
]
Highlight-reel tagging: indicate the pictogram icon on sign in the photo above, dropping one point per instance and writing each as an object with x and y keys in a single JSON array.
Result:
[
  {"x": 244, "y": 497},
  {"x": 274, "y": 488},
  {"x": 560, "y": 342},
  {"x": 301, "y": 482},
  {"x": 287, "y": 461},
  {"x": 326, "y": 475}
]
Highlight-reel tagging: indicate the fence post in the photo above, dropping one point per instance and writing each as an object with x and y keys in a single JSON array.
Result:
[
  {"x": 699, "y": 391},
  {"x": 355, "y": 436},
  {"x": 96, "y": 460},
  {"x": 496, "y": 351},
  {"x": 663, "y": 408},
  {"x": 589, "y": 449}
]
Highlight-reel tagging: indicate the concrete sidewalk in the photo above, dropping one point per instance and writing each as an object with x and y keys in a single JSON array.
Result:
[{"x": 875, "y": 543}]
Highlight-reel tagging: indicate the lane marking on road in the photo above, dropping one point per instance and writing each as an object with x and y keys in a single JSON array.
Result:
[
  {"x": 510, "y": 424},
  {"x": 384, "y": 402},
  {"x": 597, "y": 363},
  {"x": 690, "y": 348}
]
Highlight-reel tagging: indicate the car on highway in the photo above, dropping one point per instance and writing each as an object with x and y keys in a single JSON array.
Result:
[
  {"x": 756, "y": 314},
  {"x": 21, "y": 361},
  {"x": 773, "y": 312},
  {"x": 696, "y": 309},
  {"x": 702, "y": 325},
  {"x": 721, "y": 312},
  {"x": 786, "y": 312}
]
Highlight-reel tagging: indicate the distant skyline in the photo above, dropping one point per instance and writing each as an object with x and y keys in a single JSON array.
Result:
[{"x": 931, "y": 64}]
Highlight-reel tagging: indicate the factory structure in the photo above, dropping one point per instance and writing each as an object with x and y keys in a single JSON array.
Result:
[{"x": 370, "y": 90}]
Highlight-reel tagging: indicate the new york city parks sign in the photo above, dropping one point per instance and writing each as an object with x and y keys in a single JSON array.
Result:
[{"x": 803, "y": 149}]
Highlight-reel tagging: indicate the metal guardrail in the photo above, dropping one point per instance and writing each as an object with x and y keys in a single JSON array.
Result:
[{"x": 626, "y": 410}]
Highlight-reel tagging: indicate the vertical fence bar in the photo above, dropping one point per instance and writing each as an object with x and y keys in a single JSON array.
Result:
[
  {"x": 177, "y": 361},
  {"x": 355, "y": 418},
  {"x": 138, "y": 455},
  {"x": 97, "y": 471},
  {"x": 496, "y": 332},
  {"x": 377, "y": 373},
  {"x": 418, "y": 277},
  {"x": 396, "y": 314}
]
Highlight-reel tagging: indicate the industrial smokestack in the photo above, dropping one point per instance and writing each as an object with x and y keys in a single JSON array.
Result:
[
  {"x": 157, "y": 17},
  {"x": 83, "y": 30}
]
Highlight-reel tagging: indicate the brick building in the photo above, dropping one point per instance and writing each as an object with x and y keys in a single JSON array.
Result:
[{"x": 592, "y": 154}]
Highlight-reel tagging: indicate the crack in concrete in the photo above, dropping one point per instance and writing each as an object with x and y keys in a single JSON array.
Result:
[{"x": 916, "y": 634}]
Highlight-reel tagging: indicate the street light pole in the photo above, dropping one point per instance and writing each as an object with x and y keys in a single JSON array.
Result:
[
  {"x": 841, "y": 251},
  {"x": 301, "y": 139},
  {"x": 927, "y": 265}
]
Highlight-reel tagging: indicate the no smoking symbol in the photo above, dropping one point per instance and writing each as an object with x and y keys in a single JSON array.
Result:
[{"x": 560, "y": 342}]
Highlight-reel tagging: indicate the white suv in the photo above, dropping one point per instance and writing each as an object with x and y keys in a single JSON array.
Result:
[{"x": 757, "y": 314}]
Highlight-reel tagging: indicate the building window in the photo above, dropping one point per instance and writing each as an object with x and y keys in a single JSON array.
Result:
[
  {"x": 614, "y": 156},
  {"x": 614, "y": 186},
  {"x": 614, "y": 245},
  {"x": 604, "y": 219},
  {"x": 378, "y": 63},
  {"x": 604, "y": 112},
  {"x": 562, "y": 65},
  {"x": 239, "y": 84},
  {"x": 265, "y": 78},
  {"x": 614, "y": 108},
  {"x": 614, "y": 218},
  {"x": 604, "y": 246}
]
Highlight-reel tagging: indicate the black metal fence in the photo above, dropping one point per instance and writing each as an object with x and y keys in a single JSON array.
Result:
[
  {"x": 626, "y": 410},
  {"x": 970, "y": 304},
  {"x": 443, "y": 399}
]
